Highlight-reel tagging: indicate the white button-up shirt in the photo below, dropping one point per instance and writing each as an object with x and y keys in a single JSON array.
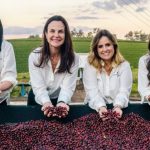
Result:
[
  {"x": 47, "y": 84},
  {"x": 7, "y": 67},
  {"x": 102, "y": 88},
  {"x": 143, "y": 82}
]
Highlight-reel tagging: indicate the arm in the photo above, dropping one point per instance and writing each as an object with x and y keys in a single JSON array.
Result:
[
  {"x": 91, "y": 87},
  {"x": 69, "y": 83},
  {"x": 8, "y": 73},
  {"x": 37, "y": 81},
  {"x": 122, "y": 97},
  {"x": 143, "y": 87},
  {"x": 5, "y": 85}
]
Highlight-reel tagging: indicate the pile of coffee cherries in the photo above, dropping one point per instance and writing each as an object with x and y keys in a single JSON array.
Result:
[{"x": 89, "y": 132}]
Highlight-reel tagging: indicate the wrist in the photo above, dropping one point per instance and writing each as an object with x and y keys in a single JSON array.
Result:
[
  {"x": 62, "y": 102},
  {"x": 102, "y": 107},
  {"x": 147, "y": 98},
  {"x": 47, "y": 103},
  {"x": 117, "y": 106}
]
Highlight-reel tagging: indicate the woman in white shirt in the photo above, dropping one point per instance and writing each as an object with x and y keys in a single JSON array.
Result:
[
  {"x": 53, "y": 67},
  {"x": 7, "y": 68},
  {"x": 107, "y": 75},
  {"x": 144, "y": 77}
]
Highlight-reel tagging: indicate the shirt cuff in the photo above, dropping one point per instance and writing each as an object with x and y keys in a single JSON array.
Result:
[
  {"x": 65, "y": 96},
  {"x": 96, "y": 104},
  {"x": 10, "y": 79},
  {"x": 145, "y": 98},
  {"x": 42, "y": 99},
  {"x": 121, "y": 101}
]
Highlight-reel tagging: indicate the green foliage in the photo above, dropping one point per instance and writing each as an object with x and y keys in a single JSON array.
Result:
[
  {"x": 132, "y": 51},
  {"x": 134, "y": 92},
  {"x": 22, "y": 48},
  {"x": 21, "y": 77}
]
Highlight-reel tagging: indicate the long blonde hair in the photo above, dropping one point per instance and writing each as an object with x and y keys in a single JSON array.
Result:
[{"x": 95, "y": 60}]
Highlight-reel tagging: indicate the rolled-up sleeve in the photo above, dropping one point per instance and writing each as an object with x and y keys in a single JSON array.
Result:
[
  {"x": 125, "y": 73},
  {"x": 37, "y": 81},
  {"x": 8, "y": 72},
  {"x": 95, "y": 100},
  {"x": 143, "y": 83},
  {"x": 69, "y": 82}
]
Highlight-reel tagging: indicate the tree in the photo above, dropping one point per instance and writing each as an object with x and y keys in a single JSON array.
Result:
[
  {"x": 95, "y": 30},
  {"x": 137, "y": 35},
  {"x": 129, "y": 35},
  {"x": 74, "y": 32},
  {"x": 80, "y": 33},
  {"x": 34, "y": 36},
  {"x": 143, "y": 37},
  {"x": 89, "y": 34}
]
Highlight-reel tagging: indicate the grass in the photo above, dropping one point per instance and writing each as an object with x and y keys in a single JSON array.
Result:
[
  {"x": 131, "y": 50},
  {"x": 22, "y": 48}
]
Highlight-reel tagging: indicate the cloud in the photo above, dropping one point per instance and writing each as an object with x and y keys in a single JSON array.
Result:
[
  {"x": 86, "y": 10},
  {"x": 86, "y": 17},
  {"x": 83, "y": 28},
  {"x": 118, "y": 11},
  {"x": 128, "y": 2},
  {"x": 113, "y": 4},
  {"x": 107, "y": 5},
  {"x": 13, "y": 30},
  {"x": 140, "y": 9}
]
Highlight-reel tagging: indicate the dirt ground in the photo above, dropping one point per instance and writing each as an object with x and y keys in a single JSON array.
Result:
[{"x": 79, "y": 93}]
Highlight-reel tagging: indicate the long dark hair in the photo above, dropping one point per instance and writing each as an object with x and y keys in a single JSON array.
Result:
[
  {"x": 66, "y": 50},
  {"x": 1, "y": 34},
  {"x": 148, "y": 64}
]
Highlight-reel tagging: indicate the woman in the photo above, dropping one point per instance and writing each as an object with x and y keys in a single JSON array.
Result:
[
  {"x": 107, "y": 76},
  {"x": 144, "y": 77},
  {"x": 53, "y": 67},
  {"x": 7, "y": 68}
]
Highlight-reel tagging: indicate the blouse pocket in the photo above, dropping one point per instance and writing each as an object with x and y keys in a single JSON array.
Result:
[
  {"x": 100, "y": 84},
  {"x": 115, "y": 82}
]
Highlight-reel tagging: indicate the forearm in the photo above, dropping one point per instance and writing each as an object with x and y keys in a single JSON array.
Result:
[
  {"x": 5, "y": 85},
  {"x": 121, "y": 100}
]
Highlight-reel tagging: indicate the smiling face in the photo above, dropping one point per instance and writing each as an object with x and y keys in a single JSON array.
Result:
[
  {"x": 105, "y": 49},
  {"x": 55, "y": 35}
]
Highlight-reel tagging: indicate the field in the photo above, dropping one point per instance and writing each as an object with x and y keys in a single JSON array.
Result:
[{"x": 131, "y": 50}]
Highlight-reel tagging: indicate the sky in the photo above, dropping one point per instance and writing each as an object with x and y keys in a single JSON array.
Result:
[{"x": 24, "y": 17}]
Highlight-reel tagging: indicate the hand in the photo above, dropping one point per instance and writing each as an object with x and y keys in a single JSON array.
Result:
[
  {"x": 148, "y": 98},
  {"x": 64, "y": 105},
  {"x": 46, "y": 107},
  {"x": 118, "y": 111},
  {"x": 102, "y": 111}
]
